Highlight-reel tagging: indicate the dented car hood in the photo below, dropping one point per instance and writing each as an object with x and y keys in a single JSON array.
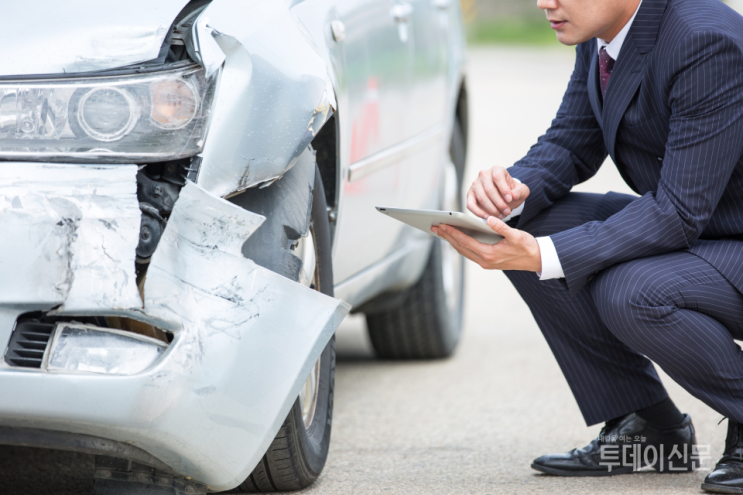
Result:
[{"x": 51, "y": 37}]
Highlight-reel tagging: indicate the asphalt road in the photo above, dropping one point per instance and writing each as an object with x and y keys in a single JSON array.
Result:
[{"x": 473, "y": 423}]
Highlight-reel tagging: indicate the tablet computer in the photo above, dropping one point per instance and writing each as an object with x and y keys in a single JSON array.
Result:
[{"x": 425, "y": 219}]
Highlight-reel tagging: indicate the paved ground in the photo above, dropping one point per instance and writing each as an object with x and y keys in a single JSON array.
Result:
[{"x": 473, "y": 423}]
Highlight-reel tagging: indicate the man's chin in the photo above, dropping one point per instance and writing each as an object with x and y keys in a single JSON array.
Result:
[{"x": 569, "y": 38}]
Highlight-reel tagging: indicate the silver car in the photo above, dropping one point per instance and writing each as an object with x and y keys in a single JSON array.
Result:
[{"x": 187, "y": 193}]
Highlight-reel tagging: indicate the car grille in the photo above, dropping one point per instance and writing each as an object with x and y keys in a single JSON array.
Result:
[{"x": 28, "y": 343}]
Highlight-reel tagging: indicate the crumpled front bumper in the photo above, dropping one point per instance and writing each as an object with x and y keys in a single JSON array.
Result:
[{"x": 244, "y": 341}]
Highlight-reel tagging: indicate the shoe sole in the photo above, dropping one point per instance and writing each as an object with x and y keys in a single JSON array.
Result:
[
  {"x": 561, "y": 472},
  {"x": 721, "y": 488}
]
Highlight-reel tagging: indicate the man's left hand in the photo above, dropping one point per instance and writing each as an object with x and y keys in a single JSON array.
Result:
[{"x": 517, "y": 251}]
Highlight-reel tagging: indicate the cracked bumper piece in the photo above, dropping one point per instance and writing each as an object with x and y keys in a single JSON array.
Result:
[{"x": 244, "y": 340}]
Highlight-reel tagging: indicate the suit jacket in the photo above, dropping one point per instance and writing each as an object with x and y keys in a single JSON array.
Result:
[{"x": 672, "y": 121}]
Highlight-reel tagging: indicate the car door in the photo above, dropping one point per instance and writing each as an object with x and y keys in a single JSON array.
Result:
[
  {"x": 378, "y": 74},
  {"x": 428, "y": 35},
  {"x": 428, "y": 106}
]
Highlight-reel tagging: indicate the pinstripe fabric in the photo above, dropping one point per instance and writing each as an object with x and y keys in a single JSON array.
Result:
[
  {"x": 659, "y": 276},
  {"x": 672, "y": 122},
  {"x": 675, "y": 308},
  {"x": 607, "y": 378},
  {"x": 679, "y": 311}
]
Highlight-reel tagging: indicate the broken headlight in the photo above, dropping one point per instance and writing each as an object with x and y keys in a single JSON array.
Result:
[{"x": 107, "y": 119}]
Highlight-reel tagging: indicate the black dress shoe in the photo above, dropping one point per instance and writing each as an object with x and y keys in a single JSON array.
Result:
[
  {"x": 626, "y": 445},
  {"x": 728, "y": 474}
]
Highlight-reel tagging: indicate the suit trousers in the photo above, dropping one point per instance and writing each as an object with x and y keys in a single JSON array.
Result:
[{"x": 674, "y": 309}]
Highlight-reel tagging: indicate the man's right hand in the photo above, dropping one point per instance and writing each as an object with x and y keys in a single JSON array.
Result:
[{"x": 495, "y": 193}]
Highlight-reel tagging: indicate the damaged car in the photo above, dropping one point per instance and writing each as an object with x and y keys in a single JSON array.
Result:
[{"x": 187, "y": 193}]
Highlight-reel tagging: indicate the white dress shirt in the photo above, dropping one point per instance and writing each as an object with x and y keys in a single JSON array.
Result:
[{"x": 551, "y": 266}]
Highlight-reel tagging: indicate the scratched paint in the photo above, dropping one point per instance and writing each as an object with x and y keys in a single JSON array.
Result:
[{"x": 70, "y": 234}]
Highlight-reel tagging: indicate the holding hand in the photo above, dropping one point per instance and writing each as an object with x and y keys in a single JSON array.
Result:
[
  {"x": 495, "y": 193},
  {"x": 518, "y": 251}
]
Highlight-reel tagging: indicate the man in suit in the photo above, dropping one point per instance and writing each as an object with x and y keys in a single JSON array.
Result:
[{"x": 622, "y": 280}]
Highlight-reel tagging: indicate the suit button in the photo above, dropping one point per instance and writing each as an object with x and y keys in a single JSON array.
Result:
[{"x": 660, "y": 158}]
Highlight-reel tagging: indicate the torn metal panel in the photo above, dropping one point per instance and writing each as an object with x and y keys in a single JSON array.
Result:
[
  {"x": 268, "y": 330},
  {"x": 274, "y": 95},
  {"x": 201, "y": 45},
  {"x": 80, "y": 36},
  {"x": 245, "y": 339},
  {"x": 201, "y": 251},
  {"x": 322, "y": 111},
  {"x": 70, "y": 235}
]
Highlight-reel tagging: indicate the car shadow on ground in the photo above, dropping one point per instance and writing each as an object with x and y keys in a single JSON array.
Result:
[{"x": 29, "y": 471}]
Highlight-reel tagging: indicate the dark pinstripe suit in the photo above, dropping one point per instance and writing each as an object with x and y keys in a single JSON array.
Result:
[{"x": 660, "y": 275}]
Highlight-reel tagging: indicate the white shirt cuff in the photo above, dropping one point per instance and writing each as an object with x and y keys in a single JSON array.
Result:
[
  {"x": 515, "y": 212},
  {"x": 551, "y": 266}
]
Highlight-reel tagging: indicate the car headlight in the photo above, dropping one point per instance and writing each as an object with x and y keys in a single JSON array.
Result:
[
  {"x": 78, "y": 347},
  {"x": 146, "y": 117}
]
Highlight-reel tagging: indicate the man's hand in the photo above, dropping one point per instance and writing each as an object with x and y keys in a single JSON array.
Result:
[
  {"x": 518, "y": 251},
  {"x": 495, "y": 193}
]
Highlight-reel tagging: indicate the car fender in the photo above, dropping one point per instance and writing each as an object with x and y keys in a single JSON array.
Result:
[{"x": 274, "y": 95}]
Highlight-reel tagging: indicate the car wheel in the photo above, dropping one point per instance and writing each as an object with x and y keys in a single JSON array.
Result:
[
  {"x": 426, "y": 322},
  {"x": 297, "y": 455}
]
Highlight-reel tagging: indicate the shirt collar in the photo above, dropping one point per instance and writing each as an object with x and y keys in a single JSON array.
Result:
[{"x": 615, "y": 46}]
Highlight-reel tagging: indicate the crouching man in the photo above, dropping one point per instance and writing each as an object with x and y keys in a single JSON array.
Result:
[{"x": 623, "y": 280}]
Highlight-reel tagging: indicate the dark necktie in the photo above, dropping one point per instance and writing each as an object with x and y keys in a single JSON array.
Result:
[{"x": 606, "y": 64}]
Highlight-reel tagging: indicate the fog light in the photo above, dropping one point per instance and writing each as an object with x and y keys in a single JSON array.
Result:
[{"x": 91, "y": 349}]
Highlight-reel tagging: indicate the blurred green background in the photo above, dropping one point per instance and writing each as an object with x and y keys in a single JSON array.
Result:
[
  {"x": 515, "y": 22},
  {"x": 506, "y": 22}
]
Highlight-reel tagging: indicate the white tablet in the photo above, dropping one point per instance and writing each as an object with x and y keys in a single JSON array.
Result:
[{"x": 425, "y": 219}]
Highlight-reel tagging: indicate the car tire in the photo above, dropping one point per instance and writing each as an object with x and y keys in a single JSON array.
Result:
[
  {"x": 297, "y": 455},
  {"x": 425, "y": 322}
]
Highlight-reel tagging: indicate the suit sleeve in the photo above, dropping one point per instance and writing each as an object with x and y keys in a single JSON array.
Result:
[
  {"x": 572, "y": 149},
  {"x": 705, "y": 143}
]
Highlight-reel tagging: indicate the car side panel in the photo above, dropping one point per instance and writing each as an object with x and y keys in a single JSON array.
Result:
[{"x": 379, "y": 80}]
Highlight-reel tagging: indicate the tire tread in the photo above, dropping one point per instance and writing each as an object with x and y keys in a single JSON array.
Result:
[
  {"x": 414, "y": 329},
  {"x": 419, "y": 327}
]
